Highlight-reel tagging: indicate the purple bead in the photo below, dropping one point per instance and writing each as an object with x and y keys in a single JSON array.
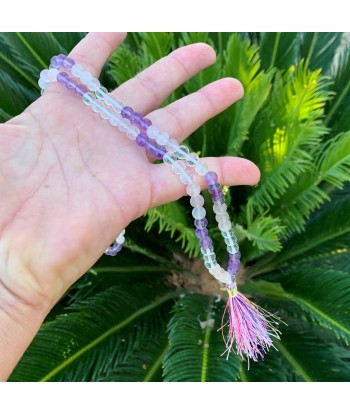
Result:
[
  {"x": 218, "y": 198},
  {"x": 206, "y": 242},
  {"x": 71, "y": 83},
  {"x": 237, "y": 255},
  {"x": 80, "y": 90},
  {"x": 201, "y": 233},
  {"x": 135, "y": 118},
  {"x": 201, "y": 223},
  {"x": 233, "y": 267},
  {"x": 62, "y": 78},
  {"x": 127, "y": 112},
  {"x": 114, "y": 249},
  {"x": 144, "y": 123},
  {"x": 214, "y": 188},
  {"x": 142, "y": 140},
  {"x": 68, "y": 63},
  {"x": 55, "y": 62},
  {"x": 155, "y": 149},
  {"x": 211, "y": 177}
]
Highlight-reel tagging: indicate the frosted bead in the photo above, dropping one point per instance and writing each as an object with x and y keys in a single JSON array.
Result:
[
  {"x": 114, "y": 120},
  {"x": 186, "y": 177},
  {"x": 221, "y": 275},
  {"x": 152, "y": 131},
  {"x": 124, "y": 125},
  {"x": 182, "y": 152},
  {"x": 192, "y": 159},
  {"x": 225, "y": 226},
  {"x": 193, "y": 189},
  {"x": 177, "y": 167},
  {"x": 88, "y": 98},
  {"x": 77, "y": 70},
  {"x": 105, "y": 114},
  {"x": 201, "y": 170},
  {"x": 44, "y": 74},
  {"x": 222, "y": 217},
  {"x": 198, "y": 213},
  {"x": 172, "y": 145},
  {"x": 101, "y": 92},
  {"x": 215, "y": 270},
  {"x": 94, "y": 84},
  {"x": 210, "y": 265},
  {"x": 120, "y": 239},
  {"x": 42, "y": 83},
  {"x": 122, "y": 232},
  {"x": 116, "y": 105},
  {"x": 232, "y": 249},
  {"x": 132, "y": 132},
  {"x": 162, "y": 138},
  {"x": 169, "y": 158},
  {"x": 197, "y": 201},
  {"x": 219, "y": 209},
  {"x": 207, "y": 251},
  {"x": 85, "y": 77},
  {"x": 52, "y": 75}
]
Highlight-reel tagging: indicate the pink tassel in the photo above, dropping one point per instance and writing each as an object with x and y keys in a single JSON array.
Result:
[{"x": 249, "y": 326}]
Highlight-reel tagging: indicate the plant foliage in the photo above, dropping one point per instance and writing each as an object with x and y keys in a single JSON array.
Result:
[{"x": 150, "y": 314}]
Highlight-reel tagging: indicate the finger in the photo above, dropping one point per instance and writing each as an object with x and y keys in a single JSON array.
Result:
[
  {"x": 147, "y": 90},
  {"x": 187, "y": 114},
  {"x": 93, "y": 51},
  {"x": 231, "y": 171}
]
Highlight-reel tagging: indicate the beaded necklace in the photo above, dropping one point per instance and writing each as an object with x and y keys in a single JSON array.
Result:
[{"x": 250, "y": 327}]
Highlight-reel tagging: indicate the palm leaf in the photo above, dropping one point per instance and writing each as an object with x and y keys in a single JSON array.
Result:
[
  {"x": 91, "y": 337},
  {"x": 196, "y": 345},
  {"x": 279, "y": 49}
]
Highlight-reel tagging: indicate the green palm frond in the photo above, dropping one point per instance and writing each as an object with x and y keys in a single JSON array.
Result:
[
  {"x": 196, "y": 346},
  {"x": 279, "y": 50},
  {"x": 90, "y": 338}
]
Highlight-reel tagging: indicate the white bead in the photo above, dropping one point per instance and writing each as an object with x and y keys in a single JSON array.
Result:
[
  {"x": 169, "y": 158},
  {"x": 198, "y": 213},
  {"x": 132, "y": 132},
  {"x": 197, "y": 201},
  {"x": 225, "y": 226},
  {"x": 221, "y": 275},
  {"x": 44, "y": 74},
  {"x": 85, "y": 77},
  {"x": 215, "y": 270},
  {"x": 172, "y": 145},
  {"x": 182, "y": 152},
  {"x": 219, "y": 209},
  {"x": 193, "y": 189},
  {"x": 114, "y": 120},
  {"x": 52, "y": 75},
  {"x": 207, "y": 251},
  {"x": 186, "y": 177},
  {"x": 162, "y": 138},
  {"x": 124, "y": 125},
  {"x": 77, "y": 70},
  {"x": 201, "y": 170},
  {"x": 192, "y": 159},
  {"x": 222, "y": 217},
  {"x": 122, "y": 232},
  {"x": 42, "y": 83},
  {"x": 93, "y": 84},
  {"x": 120, "y": 239},
  {"x": 152, "y": 131},
  {"x": 177, "y": 167}
]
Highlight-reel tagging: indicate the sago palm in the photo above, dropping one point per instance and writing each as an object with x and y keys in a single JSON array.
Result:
[{"x": 153, "y": 313}]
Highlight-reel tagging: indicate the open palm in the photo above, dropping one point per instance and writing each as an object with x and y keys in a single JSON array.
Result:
[{"x": 70, "y": 182}]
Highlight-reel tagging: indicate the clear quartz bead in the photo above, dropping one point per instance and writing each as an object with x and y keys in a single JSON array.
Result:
[
  {"x": 88, "y": 98},
  {"x": 210, "y": 264},
  {"x": 182, "y": 152},
  {"x": 93, "y": 84},
  {"x": 85, "y": 77},
  {"x": 95, "y": 108},
  {"x": 120, "y": 239},
  {"x": 186, "y": 177},
  {"x": 114, "y": 120},
  {"x": 222, "y": 217},
  {"x": 193, "y": 189},
  {"x": 133, "y": 132},
  {"x": 77, "y": 70},
  {"x": 124, "y": 125},
  {"x": 169, "y": 158},
  {"x": 200, "y": 169},
  {"x": 152, "y": 132},
  {"x": 192, "y": 159},
  {"x": 116, "y": 105},
  {"x": 105, "y": 114},
  {"x": 197, "y": 201},
  {"x": 177, "y": 167},
  {"x": 209, "y": 258},
  {"x": 228, "y": 234},
  {"x": 225, "y": 226},
  {"x": 172, "y": 145},
  {"x": 162, "y": 137},
  {"x": 219, "y": 209},
  {"x": 207, "y": 251},
  {"x": 101, "y": 92},
  {"x": 233, "y": 249},
  {"x": 198, "y": 213}
]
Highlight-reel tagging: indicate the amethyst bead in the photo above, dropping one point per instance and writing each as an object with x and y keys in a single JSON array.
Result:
[
  {"x": 142, "y": 140},
  {"x": 201, "y": 233},
  {"x": 155, "y": 149},
  {"x": 55, "y": 62},
  {"x": 233, "y": 266},
  {"x": 113, "y": 250},
  {"x": 80, "y": 90},
  {"x": 127, "y": 112},
  {"x": 214, "y": 188},
  {"x": 135, "y": 118},
  {"x": 211, "y": 177},
  {"x": 144, "y": 123},
  {"x": 206, "y": 242},
  {"x": 68, "y": 63},
  {"x": 201, "y": 223},
  {"x": 71, "y": 83},
  {"x": 62, "y": 78},
  {"x": 237, "y": 255}
]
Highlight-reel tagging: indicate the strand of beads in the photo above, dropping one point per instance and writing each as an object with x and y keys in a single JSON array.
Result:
[{"x": 248, "y": 325}]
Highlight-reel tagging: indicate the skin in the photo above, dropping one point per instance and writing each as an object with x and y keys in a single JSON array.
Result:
[{"x": 70, "y": 182}]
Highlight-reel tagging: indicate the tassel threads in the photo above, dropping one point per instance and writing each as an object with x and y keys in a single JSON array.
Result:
[{"x": 249, "y": 326}]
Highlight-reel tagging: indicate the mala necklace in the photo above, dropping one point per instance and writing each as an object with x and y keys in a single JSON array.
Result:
[{"x": 250, "y": 327}]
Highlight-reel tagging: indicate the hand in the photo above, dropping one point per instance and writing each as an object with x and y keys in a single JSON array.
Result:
[{"x": 70, "y": 182}]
